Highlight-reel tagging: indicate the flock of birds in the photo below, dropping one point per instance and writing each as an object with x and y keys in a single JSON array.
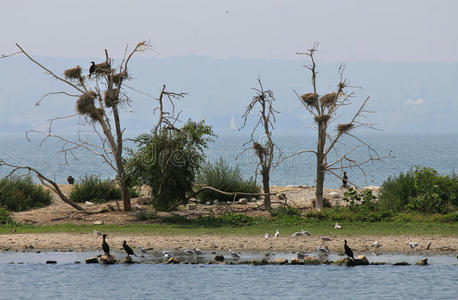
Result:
[{"x": 321, "y": 249}]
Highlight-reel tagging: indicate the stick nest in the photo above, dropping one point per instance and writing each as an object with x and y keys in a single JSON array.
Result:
[
  {"x": 85, "y": 103},
  {"x": 323, "y": 118},
  {"x": 74, "y": 73},
  {"x": 111, "y": 97},
  {"x": 102, "y": 69},
  {"x": 344, "y": 127},
  {"x": 119, "y": 77},
  {"x": 329, "y": 99},
  {"x": 310, "y": 99},
  {"x": 260, "y": 150}
]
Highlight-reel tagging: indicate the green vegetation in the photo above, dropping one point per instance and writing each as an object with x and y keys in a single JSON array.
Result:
[
  {"x": 222, "y": 176},
  {"x": 92, "y": 188},
  {"x": 20, "y": 193},
  {"x": 420, "y": 189},
  {"x": 243, "y": 225},
  {"x": 5, "y": 217},
  {"x": 168, "y": 162}
]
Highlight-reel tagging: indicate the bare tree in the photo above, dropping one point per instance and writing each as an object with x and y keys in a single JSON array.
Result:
[
  {"x": 324, "y": 111},
  {"x": 264, "y": 148},
  {"x": 100, "y": 96}
]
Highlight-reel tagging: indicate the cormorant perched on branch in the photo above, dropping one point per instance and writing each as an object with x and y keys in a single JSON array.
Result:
[
  {"x": 348, "y": 251},
  {"x": 70, "y": 180},
  {"x": 91, "y": 69},
  {"x": 129, "y": 250},
  {"x": 344, "y": 180},
  {"x": 105, "y": 246}
]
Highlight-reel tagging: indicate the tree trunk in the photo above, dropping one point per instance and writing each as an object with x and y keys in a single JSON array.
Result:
[
  {"x": 320, "y": 161},
  {"x": 125, "y": 195},
  {"x": 265, "y": 183}
]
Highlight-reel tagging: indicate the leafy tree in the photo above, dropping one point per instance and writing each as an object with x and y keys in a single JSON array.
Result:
[{"x": 168, "y": 161}]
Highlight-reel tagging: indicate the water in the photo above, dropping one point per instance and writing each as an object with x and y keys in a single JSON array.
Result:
[
  {"x": 437, "y": 151},
  {"x": 157, "y": 281}
]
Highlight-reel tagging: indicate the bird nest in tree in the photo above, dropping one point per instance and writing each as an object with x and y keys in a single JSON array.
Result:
[
  {"x": 310, "y": 99},
  {"x": 74, "y": 73},
  {"x": 111, "y": 97},
  {"x": 344, "y": 127},
  {"x": 323, "y": 118},
  {"x": 85, "y": 103},
  {"x": 102, "y": 69},
  {"x": 96, "y": 114},
  {"x": 119, "y": 77},
  {"x": 260, "y": 150},
  {"x": 329, "y": 99}
]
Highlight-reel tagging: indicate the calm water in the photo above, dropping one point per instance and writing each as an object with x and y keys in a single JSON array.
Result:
[
  {"x": 157, "y": 281},
  {"x": 436, "y": 151}
]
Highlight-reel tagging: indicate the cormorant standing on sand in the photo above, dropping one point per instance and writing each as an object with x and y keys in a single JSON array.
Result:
[
  {"x": 70, "y": 180},
  {"x": 105, "y": 246},
  {"x": 348, "y": 251},
  {"x": 91, "y": 69},
  {"x": 344, "y": 180},
  {"x": 129, "y": 250}
]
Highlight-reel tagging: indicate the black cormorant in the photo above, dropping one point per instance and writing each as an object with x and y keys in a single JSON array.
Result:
[
  {"x": 91, "y": 69},
  {"x": 70, "y": 180},
  {"x": 105, "y": 246},
  {"x": 344, "y": 179},
  {"x": 348, "y": 251},
  {"x": 129, "y": 250}
]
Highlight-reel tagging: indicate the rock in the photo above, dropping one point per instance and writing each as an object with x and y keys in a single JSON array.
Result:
[
  {"x": 378, "y": 263},
  {"x": 253, "y": 200},
  {"x": 216, "y": 202},
  {"x": 243, "y": 200},
  {"x": 207, "y": 203},
  {"x": 76, "y": 262},
  {"x": 51, "y": 262},
  {"x": 107, "y": 259},
  {"x": 334, "y": 195},
  {"x": 362, "y": 259},
  {"x": 126, "y": 260},
  {"x": 341, "y": 261},
  {"x": 280, "y": 261},
  {"x": 296, "y": 261},
  {"x": 89, "y": 203},
  {"x": 422, "y": 262},
  {"x": 191, "y": 206},
  {"x": 402, "y": 263},
  {"x": 92, "y": 260},
  {"x": 219, "y": 258},
  {"x": 311, "y": 261},
  {"x": 173, "y": 260},
  {"x": 99, "y": 222},
  {"x": 261, "y": 198}
]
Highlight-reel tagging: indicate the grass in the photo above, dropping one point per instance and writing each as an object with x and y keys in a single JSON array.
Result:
[{"x": 259, "y": 227}]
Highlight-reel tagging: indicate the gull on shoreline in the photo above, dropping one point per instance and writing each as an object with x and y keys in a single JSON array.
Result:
[
  {"x": 325, "y": 238},
  {"x": 234, "y": 254},
  {"x": 277, "y": 234},
  {"x": 376, "y": 244},
  {"x": 337, "y": 226},
  {"x": 412, "y": 244},
  {"x": 301, "y": 233},
  {"x": 323, "y": 250},
  {"x": 267, "y": 236}
]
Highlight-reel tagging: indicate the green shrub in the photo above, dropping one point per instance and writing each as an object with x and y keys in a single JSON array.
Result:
[
  {"x": 92, "y": 188},
  {"x": 285, "y": 211},
  {"x": 420, "y": 189},
  {"x": 222, "y": 176},
  {"x": 356, "y": 200},
  {"x": 5, "y": 217},
  {"x": 20, "y": 193},
  {"x": 168, "y": 162}
]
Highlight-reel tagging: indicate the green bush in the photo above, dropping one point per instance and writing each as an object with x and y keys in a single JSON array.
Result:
[
  {"x": 92, "y": 188},
  {"x": 285, "y": 211},
  {"x": 222, "y": 176},
  {"x": 5, "y": 217},
  {"x": 360, "y": 201},
  {"x": 168, "y": 162},
  {"x": 20, "y": 193},
  {"x": 420, "y": 189}
]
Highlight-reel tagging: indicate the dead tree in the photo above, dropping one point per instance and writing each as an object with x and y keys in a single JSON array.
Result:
[
  {"x": 324, "y": 109},
  {"x": 100, "y": 96},
  {"x": 264, "y": 147}
]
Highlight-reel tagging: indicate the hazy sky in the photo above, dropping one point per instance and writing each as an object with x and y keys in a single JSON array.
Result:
[{"x": 352, "y": 30}]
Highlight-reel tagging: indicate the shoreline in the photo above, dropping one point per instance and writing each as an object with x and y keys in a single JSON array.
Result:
[{"x": 440, "y": 245}]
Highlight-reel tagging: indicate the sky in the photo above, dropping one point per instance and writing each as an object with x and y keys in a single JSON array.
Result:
[
  {"x": 352, "y": 30},
  {"x": 404, "y": 53}
]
